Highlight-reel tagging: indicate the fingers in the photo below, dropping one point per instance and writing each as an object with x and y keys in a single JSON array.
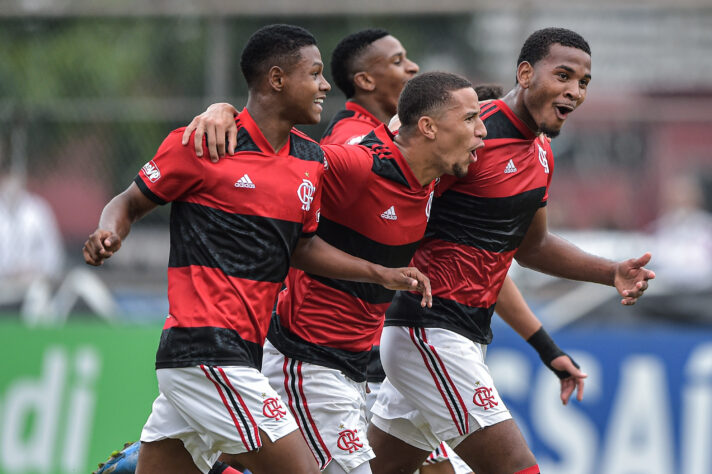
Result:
[
  {"x": 198, "y": 137},
  {"x": 579, "y": 389},
  {"x": 423, "y": 286},
  {"x": 232, "y": 139},
  {"x": 101, "y": 245},
  {"x": 642, "y": 261},
  {"x": 212, "y": 139},
  {"x": 567, "y": 388},
  {"x": 188, "y": 130}
]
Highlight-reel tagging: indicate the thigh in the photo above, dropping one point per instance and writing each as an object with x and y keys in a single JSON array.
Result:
[
  {"x": 329, "y": 407},
  {"x": 393, "y": 455},
  {"x": 167, "y": 456},
  {"x": 286, "y": 454},
  {"x": 496, "y": 449}
]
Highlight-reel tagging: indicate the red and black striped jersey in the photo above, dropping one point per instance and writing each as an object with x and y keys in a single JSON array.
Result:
[
  {"x": 349, "y": 126},
  {"x": 476, "y": 226},
  {"x": 233, "y": 228},
  {"x": 372, "y": 207}
]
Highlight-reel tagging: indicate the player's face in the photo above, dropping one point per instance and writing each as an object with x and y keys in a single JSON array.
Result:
[
  {"x": 460, "y": 132},
  {"x": 387, "y": 63},
  {"x": 558, "y": 85},
  {"x": 305, "y": 86}
]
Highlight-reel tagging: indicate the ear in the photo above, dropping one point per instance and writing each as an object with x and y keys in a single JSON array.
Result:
[
  {"x": 525, "y": 72},
  {"x": 363, "y": 80},
  {"x": 276, "y": 78},
  {"x": 427, "y": 127}
]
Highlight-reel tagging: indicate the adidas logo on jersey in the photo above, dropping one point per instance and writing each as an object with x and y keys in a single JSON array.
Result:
[
  {"x": 390, "y": 214},
  {"x": 510, "y": 168},
  {"x": 244, "y": 182}
]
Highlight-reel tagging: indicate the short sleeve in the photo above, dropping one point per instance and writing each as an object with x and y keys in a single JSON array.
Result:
[
  {"x": 347, "y": 168},
  {"x": 174, "y": 171}
]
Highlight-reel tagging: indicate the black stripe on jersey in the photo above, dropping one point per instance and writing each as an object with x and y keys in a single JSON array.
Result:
[
  {"x": 491, "y": 224},
  {"x": 243, "y": 246},
  {"x": 425, "y": 349},
  {"x": 301, "y": 415},
  {"x": 147, "y": 192},
  {"x": 244, "y": 140},
  {"x": 500, "y": 126},
  {"x": 304, "y": 149},
  {"x": 352, "y": 364},
  {"x": 187, "y": 347},
  {"x": 340, "y": 115},
  {"x": 384, "y": 164},
  {"x": 471, "y": 322},
  {"x": 375, "y": 372},
  {"x": 248, "y": 427},
  {"x": 361, "y": 246}
]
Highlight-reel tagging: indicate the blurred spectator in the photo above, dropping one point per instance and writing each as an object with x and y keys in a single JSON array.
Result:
[
  {"x": 31, "y": 251},
  {"x": 683, "y": 235}
]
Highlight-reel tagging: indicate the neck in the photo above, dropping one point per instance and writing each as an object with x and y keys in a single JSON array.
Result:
[
  {"x": 267, "y": 115},
  {"x": 419, "y": 157},
  {"x": 374, "y": 107},
  {"x": 515, "y": 101}
]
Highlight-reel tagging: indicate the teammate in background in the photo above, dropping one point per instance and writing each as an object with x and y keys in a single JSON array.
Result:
[
  {"x": 438, "y": 385},
  {"x": 235, "y": 228}
]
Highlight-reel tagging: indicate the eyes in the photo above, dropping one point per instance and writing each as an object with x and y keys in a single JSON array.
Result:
[{"x": 565, "y": 76}]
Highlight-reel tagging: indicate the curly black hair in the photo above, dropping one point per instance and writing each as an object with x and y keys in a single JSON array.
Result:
[
  {"x": 489, "y": 91},
  {"x": 427, "y": 92},
  {"x": 538, "y": 43},
  {"x": 345, "y": 55},
  {"x": 273, "y": 45}
]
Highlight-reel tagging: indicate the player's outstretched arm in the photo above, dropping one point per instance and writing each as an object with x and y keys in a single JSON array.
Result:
[
  {"x": 115, "y": 223},
  {"x": 513, "y": 310},
  {"x": 548, "y": 253},
  {"x": 217, "y": 122},
  {"x": 314, "y": 255}
]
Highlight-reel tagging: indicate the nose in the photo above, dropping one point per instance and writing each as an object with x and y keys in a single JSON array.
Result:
[
  {"x": 573, "y": 91},
  {"x": 412, "y": 67},
  {"x": 480, "y": 129},
  {"x": 324, "y": 85}
]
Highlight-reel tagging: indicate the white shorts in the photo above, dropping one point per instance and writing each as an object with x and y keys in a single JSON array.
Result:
[
  {"x": 216, "y": 410},
  {"x": 438, "y": 387},
  {"x": 329, "y": 407}
]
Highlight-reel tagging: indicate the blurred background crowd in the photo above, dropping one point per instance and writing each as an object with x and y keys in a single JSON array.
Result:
[{"x": 88, "y": 90}]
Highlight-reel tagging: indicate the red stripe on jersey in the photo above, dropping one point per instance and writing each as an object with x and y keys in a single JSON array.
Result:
[
  {"x": 227, "y": 405},
  {"x": 444, "y": 396},
  {"x": 258, "y": 441},
  {"x": 476, "y": 281},
  {"x": 307, "y": 308},
  {"x": 530, "y": 470},
  {"x": 201, "y": 296},
  {"x": 351, "y": 129}
]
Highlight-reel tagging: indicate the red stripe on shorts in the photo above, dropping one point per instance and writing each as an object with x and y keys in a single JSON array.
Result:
[
  {"x": 244, "y": 407},
  {"x": 227, "y": 405}
]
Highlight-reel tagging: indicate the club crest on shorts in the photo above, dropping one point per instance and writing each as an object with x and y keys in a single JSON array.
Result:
[
  {"x": 272, "y": 408},
  {"x": 349, "y": 441},
  {"x": 305, "y": 192},
  {"x": 151, "y": 171},
  {"x": 484, "y": 398}
]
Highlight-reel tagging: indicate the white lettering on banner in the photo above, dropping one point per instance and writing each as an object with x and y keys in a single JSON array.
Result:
[
  {"x": 639, "y": 433},
  {"x": 40, "y": 400},
  {"x": 696, "y": 437},
  {"x": 566, "y": 430}
]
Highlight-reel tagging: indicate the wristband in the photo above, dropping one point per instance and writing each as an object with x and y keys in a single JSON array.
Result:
[{"x": 548, "y": 351}]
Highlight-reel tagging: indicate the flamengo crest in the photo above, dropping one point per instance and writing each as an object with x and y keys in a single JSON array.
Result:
[{"x": 305, "y": 191}]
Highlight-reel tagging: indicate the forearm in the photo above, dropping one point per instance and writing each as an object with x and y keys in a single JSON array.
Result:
[
  {"x": 556, "y": 256},
  {"x": 513, "y": 310},
  {"x": 316, "y": 256},
  {"x": 123, "y": 210}
]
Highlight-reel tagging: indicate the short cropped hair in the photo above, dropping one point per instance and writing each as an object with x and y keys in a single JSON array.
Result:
[
  {"x": 489, "y": 91},
  {"x": 273, "y": 45},
  {"x": 537, "y": 45},
  {"x": 343, "y": 59},
  {"x": 426, "y": 93}
]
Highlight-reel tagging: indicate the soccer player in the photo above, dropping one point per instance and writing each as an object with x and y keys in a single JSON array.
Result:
[
  {"x": 235, "y": 228},
  {"x": 438, "y": 386}
]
